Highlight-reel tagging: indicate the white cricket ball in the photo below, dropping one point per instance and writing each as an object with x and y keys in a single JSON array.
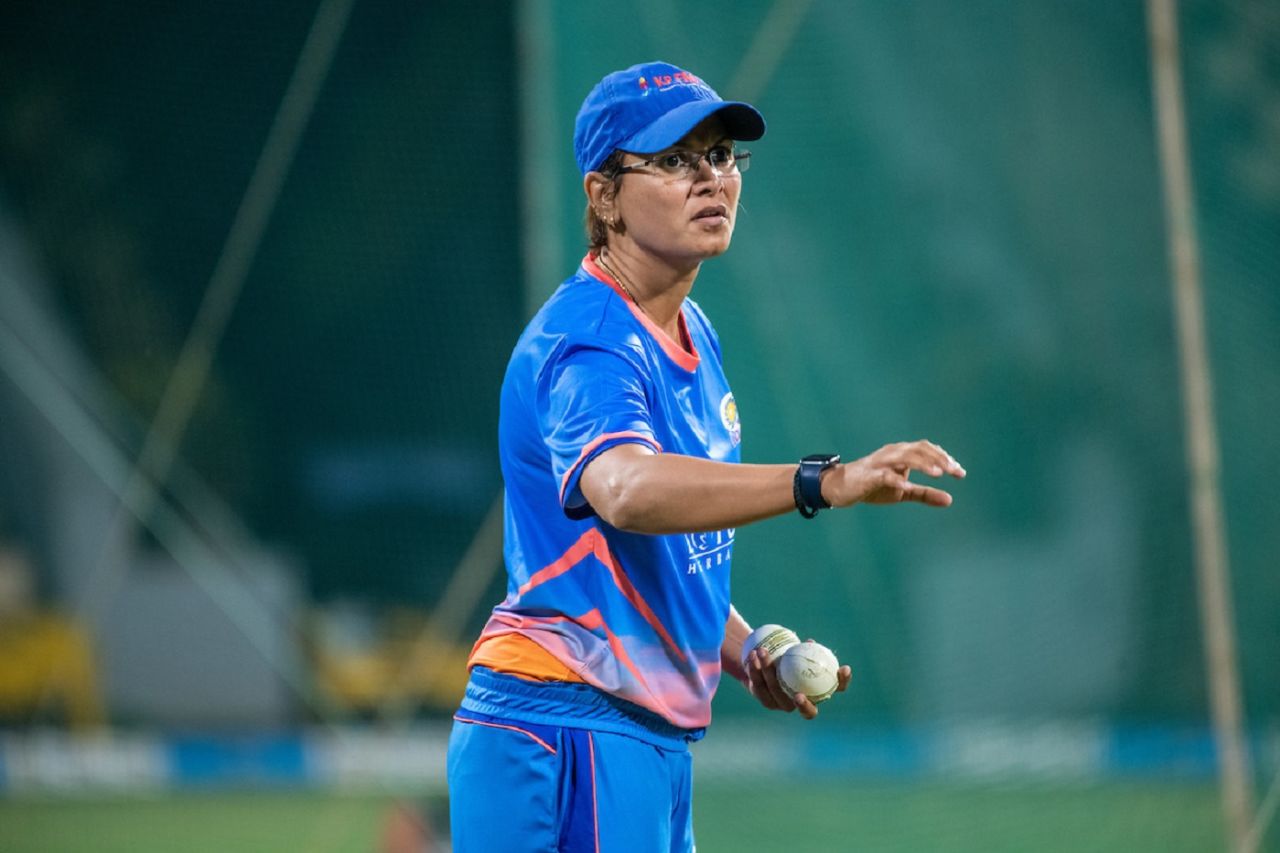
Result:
[
  {"x": 809, "y": 668},
  {"x": 773, "y": 640}
]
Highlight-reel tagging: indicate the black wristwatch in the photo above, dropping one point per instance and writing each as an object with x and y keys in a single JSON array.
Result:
[{"x": 806, "y": 488}]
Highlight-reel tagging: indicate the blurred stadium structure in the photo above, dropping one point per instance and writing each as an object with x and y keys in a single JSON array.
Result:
[{"x": 325, "y": 224}]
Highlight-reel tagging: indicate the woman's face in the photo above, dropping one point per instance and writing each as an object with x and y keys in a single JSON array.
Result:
[{"x": 681, "y": 219}]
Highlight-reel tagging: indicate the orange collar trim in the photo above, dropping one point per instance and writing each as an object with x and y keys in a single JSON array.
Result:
[{"x": 685, "y": 359}]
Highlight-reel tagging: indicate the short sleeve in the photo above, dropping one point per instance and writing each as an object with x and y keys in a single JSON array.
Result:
[{"x": 595, "y": 398}]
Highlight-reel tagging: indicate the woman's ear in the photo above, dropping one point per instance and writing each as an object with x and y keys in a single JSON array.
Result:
[{"x": 600, "y": 196}]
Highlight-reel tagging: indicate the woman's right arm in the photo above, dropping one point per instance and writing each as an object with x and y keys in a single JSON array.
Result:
[{"x": 635, "y": 489}]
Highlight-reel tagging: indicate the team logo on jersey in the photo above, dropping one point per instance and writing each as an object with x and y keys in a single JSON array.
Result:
[{"x": 729, "y": 417}]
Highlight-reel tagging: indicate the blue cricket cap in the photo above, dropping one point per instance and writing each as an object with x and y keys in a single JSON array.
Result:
[{"x": 649, "y": 107}]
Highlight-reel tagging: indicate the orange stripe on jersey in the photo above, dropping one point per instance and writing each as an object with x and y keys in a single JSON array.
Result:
[
  {"x": 628, "y": 590},
  {"x": 516, "y": 654},
  {"x": 585, "y": 545},
  {"x": 593, "y": 542}
]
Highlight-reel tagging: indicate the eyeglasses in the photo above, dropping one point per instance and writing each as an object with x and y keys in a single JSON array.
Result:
[{"x": 680, "y": 163}]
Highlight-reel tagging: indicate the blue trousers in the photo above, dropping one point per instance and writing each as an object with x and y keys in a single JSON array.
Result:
[{"x": 520, "y": 787}]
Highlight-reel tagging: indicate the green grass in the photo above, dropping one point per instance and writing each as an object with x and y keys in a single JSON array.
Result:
[
  {"x": 812, "y": 817},
  {"x": 938, "y": 818},
  {"x": 244, "y": 822}
]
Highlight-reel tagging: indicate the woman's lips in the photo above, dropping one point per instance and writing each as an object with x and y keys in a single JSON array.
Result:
[{"x": 717, "y": 215}]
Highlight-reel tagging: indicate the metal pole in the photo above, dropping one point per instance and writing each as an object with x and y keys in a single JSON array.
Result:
[{"x": 1205, "y": 492}]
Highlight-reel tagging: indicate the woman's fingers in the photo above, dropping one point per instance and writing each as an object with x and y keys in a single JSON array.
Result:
[
  {"x": 765, "y": 685},
  {"x": 779, "y": 693},
  {"x": 758, "y": 687},
  {"x": 771, "y": 690},
  {"x": 926, "y": 495},
  {"x": 923, "y": 456}
]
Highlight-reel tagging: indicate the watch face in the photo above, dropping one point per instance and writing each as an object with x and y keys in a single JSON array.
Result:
[{"x": 823, "y": 458}]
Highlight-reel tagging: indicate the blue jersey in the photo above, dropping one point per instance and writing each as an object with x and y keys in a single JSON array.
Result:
[{"x": 638, "y": 616}]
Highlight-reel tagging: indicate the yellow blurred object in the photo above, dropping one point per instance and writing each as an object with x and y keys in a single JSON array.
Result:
[
  {"x": 404, "y": 663},
  {"x": 46, "y": 663},
  {"x": 47, "y": 671}
]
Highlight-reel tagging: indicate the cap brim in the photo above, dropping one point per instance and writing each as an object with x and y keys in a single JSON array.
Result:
[{"x": 742, "y": 122}]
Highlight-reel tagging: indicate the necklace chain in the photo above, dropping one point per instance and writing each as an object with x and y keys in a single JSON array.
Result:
[{"x": 621, "y": 282}]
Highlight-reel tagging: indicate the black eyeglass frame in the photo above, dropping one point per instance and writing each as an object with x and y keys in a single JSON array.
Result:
[{"x": 741, "y": 161}]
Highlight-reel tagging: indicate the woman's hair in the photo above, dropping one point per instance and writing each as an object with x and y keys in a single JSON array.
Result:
[{"x": 597, "y": 230}]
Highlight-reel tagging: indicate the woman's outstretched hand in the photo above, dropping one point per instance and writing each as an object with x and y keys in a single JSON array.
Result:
[{"x": 882, "y": 477}]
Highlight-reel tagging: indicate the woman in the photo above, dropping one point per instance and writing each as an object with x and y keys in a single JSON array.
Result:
[{"x": 618, "y": 438}]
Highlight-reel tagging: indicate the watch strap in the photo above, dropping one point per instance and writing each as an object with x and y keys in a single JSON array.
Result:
[{"x": 806, "y": 487}]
